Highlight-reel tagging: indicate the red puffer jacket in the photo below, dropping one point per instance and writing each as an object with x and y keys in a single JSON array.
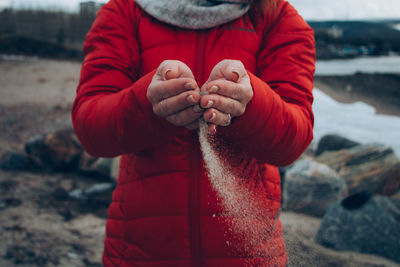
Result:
[{"x": 164, "y": 210}]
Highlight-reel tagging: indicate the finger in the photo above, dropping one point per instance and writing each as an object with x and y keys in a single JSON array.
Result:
[
  {"x": 223, "y": 104},
  {"x": 232, "y": 70},
  {"x": 212, "y": 128},
  {"x": 174, "y": 69},
  {"x": 164, "y": 89},
  {"x": 216, "y": 117},
  {"x": 226, "y": 88},
  {"x": 184, "y": 117},
  {"x": 193, "y": 126},
  {"x": 176, "y": 103}
]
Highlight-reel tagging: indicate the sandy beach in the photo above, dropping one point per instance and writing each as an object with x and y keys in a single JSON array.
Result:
[{"x": 36, "y": 96}]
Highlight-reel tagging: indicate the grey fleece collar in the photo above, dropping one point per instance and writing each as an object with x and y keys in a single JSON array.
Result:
[{"x": 195, "y": 14}]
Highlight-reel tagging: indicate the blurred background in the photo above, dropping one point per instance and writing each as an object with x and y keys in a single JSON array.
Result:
[{"x": 341, "y": 203}]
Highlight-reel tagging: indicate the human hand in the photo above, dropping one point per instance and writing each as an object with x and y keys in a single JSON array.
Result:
[
  {"x": 226, "y": 93},
  {"x": 175, "y": 95}
]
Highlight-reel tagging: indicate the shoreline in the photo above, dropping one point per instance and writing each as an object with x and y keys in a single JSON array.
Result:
[{"x": 382, "y": 91}]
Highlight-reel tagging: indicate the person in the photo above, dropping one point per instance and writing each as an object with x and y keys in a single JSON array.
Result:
[{"x": 152, "y": 70}]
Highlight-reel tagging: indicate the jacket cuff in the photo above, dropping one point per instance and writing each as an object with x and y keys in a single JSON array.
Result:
[
  {"x": 140, "y": 109},
  {"x": 257, "y": 112}
]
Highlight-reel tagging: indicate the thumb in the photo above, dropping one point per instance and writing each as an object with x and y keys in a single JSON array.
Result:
[
  {"x": 231, "y": 70},
  {"x": 174, "y": 69},
  {"x": 232, "y": 75}
]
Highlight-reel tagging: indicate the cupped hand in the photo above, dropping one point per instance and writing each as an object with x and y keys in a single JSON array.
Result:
[
  {"x": 226, "y": 93},
  {"x": 175, "y": 95}
]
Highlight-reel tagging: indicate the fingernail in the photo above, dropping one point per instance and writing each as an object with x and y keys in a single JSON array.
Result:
[
  {"x": 189, "y": 86},
  {"x": 213, "y": 115},
  {"x": 166, "y": 74},
  {"x": 213, "y": 89},
  {"x": 212, "y": 129},
  {"x": 191, "y": 99},
  {"x": 237, "y": 75},
  {"x": 210, "y": 103}
]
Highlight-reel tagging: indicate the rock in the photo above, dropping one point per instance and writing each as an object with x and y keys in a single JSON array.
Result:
[
  {"x": 392, "y": 181},
  {"x": 368, "y": 227},
  {"x": 396, "y": 198},
  {"x": 93, "y": 166},
  {"x": 96, "y": 199},
  {"x": 99, "y": 200},
  {"x": 371, "y": 167},
  {"x": 101, "y": 168},
  {"x": 94, "y": 189},
  {"x": 310, "y": 187},
  {"x": 115, "y": 168},
  {"x": 9, "y": 202},
  {"x": 333, "y": 142},
  {"x": 16, "y": 161},
  {"x": 390, "y": 205},
  {"x": 88, "y": 263},
  {"x": 36, "y": 253},
  {"x": 58, "y": 151},
  {"x": 60, "y": 194},
  {"x": 355, "y": 201}
]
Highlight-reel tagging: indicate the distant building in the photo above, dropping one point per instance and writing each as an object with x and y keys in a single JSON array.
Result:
[
  {"x": 7, "y": 21},
  {"x": 335, "y": 32},
  {"x": 396, "y": 26},
  {"x": 329, "y": 33},
  {"x": 89, "y": 8}
]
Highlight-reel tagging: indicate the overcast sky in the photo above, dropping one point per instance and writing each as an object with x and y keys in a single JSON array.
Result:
[
  {"x": 310, "y": 9},
  {"x": 348, "y": 9}
]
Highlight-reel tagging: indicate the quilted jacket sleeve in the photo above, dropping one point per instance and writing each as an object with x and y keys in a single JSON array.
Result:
[
  {"x": 111, "y": 113},
  {"x": 278, "y": 123}
]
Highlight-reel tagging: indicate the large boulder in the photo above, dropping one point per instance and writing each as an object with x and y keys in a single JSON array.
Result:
[
  {"x": 390, "y": 205},
  {"x": 95, "y": 199},
  {"x": 16, "y": 161},
  {"x": 101, "y": 168},
  {"x": 363, "y": 224},
  {"x": 115, "y": 168},
  {"x": 310, "y": 187},
  {"x": 58, "y": 151},
  {"x": 392, "y": 181},
  {"x": 333, "y": 142},
  {"x": 372, "y": 167},
  {"x": 396, "y": 198}
]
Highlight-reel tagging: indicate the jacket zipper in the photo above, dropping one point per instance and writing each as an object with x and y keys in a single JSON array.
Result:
[{"x": 195, "y": 166}]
